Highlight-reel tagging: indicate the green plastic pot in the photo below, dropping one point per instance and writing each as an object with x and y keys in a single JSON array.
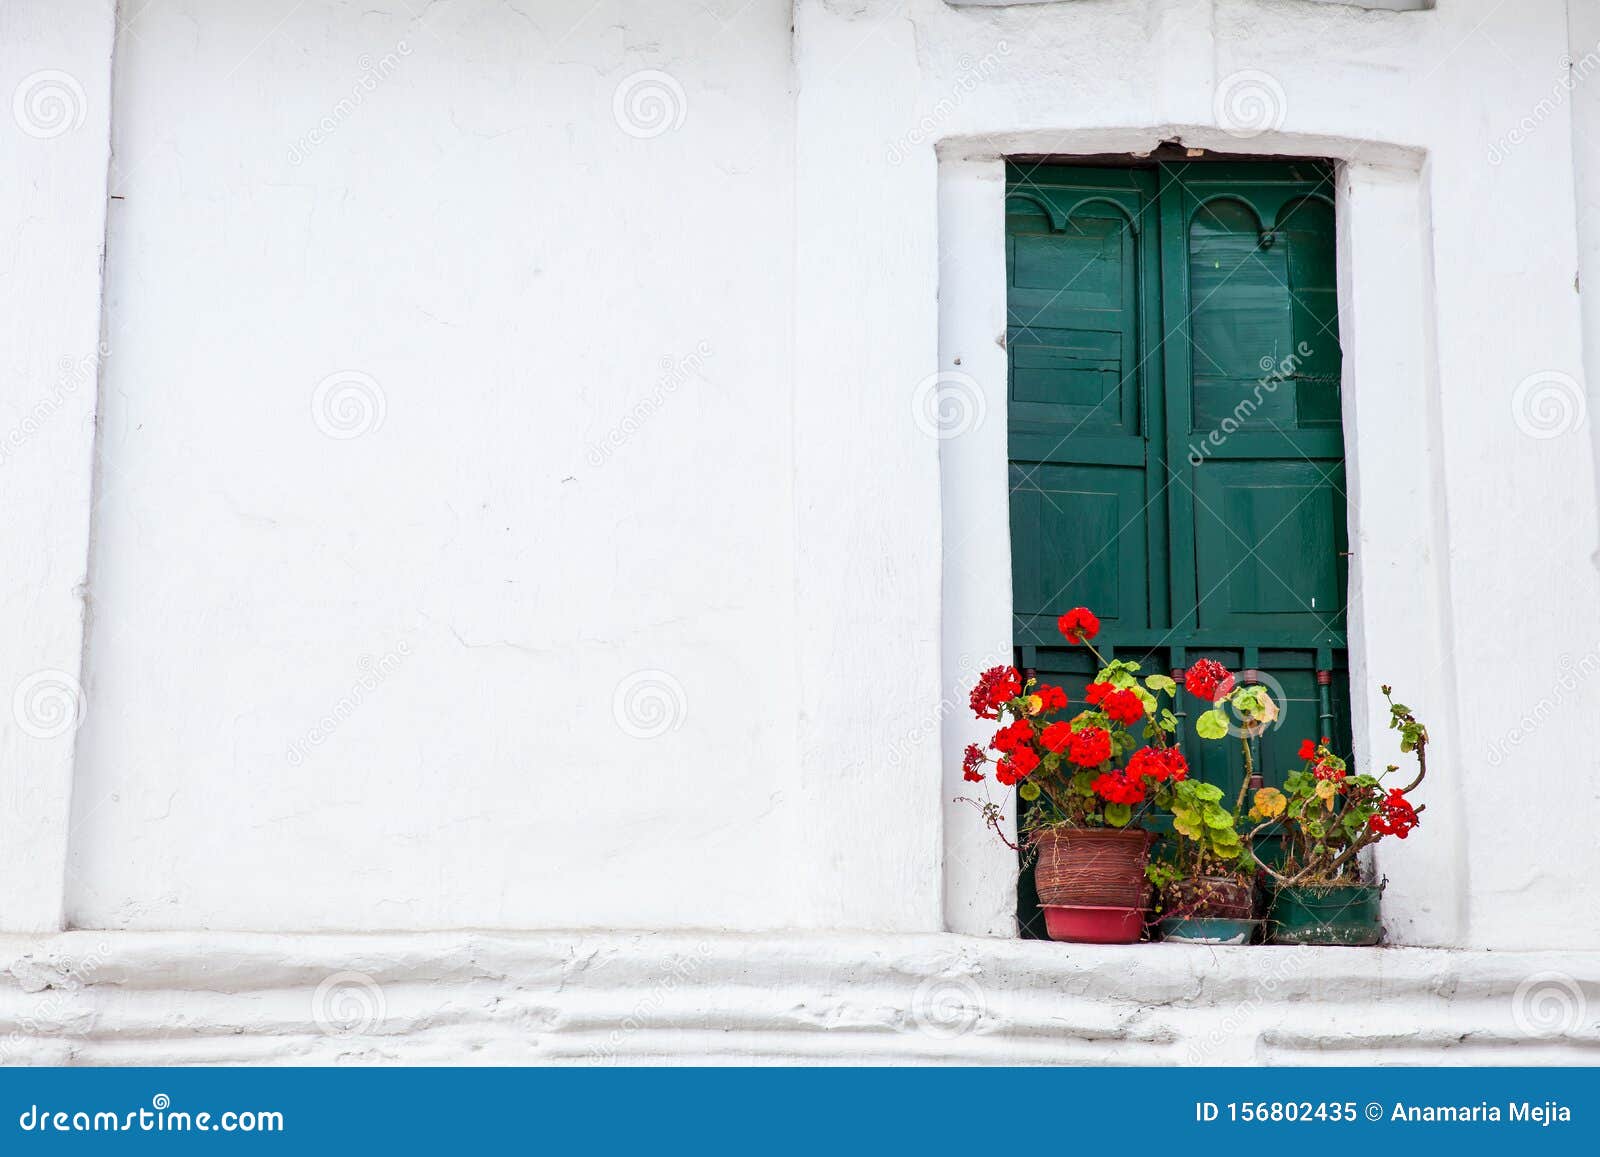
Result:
[{"x": 1335, "y": 916}]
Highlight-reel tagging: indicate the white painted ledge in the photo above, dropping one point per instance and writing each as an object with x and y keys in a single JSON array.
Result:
[
  {"x": 718, "y": 998},
  {"x": 1375, "y": 5}
]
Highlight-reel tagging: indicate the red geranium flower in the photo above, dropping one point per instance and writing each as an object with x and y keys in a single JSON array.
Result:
[
  {"x": 1397, "y": 816},
  {"x": 1090, "y": 747},
  {"x": 971, "y": 760},
  {"x": 1053, "y": 698},
  {"x": 1308, "y": 750},
  {"x": 1094, "y": 693},
  {"x": 1114, "y": 788},
  {"x": 1057, "y": 736},
  {"x": 1158, "y": 764},
  {"x": 1017, "y": 765},
  {"x": 1078, "y": 625},
  {"x": 996, "y": 686},
  {"x": 1208, "y": 679},
  {"x": 1123, "y": 707},
  {"x": 1012, "y": 737}
]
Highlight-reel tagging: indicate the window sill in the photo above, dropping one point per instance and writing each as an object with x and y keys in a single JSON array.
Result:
[
  {"x": 1372, "y": 5},
  {"x": 689, "y": 997}
]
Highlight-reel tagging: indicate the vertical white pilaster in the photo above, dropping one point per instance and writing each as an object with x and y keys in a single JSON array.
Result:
[
  {"x": 980, "y": 872},
  {"x": 55, "y": 82}
]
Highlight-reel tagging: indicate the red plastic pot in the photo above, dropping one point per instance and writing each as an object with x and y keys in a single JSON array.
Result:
[{"x": 1093, "y": 924}]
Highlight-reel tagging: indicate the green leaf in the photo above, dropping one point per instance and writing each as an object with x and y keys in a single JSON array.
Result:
[
  {"x": 1186, "y": 821},
  {"x": 1028, "y": 791},
  {"x": 1212, "y": 725},
  {"x": 1118, "y": 814},
  {"x": 1161, "y": 683},
  {"x": 1209, "y": 792},
  {"x": 1215, "y": 817}
]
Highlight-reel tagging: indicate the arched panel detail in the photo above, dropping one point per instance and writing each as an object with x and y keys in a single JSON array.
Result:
[
  {"x": 1230, "y": 199},
  {"x": 1058, "y": 221},
  {"x": 1133, "y": 221},
  {"x": 1292, "y": 205}
]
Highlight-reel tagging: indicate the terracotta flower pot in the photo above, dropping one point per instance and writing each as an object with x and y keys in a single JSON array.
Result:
[
  {"x": 1092, "y": 867},
  {"x": 1209, "y": 897}
]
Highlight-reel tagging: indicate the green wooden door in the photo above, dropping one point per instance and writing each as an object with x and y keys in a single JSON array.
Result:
[{"x": 1176, "y": 453}]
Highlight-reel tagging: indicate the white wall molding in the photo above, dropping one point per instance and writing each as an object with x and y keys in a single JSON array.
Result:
[
  {"x": 55, "y": 90},
  {"x": 176, "y": 998}
]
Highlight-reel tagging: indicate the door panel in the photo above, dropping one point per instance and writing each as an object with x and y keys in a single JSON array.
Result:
[
  {"x": 1177, "y": 456},
  {"x": 1270, "y": 538},
  {"x": 1080, "y": 511},
  {"x": 1070, "y": 520}
]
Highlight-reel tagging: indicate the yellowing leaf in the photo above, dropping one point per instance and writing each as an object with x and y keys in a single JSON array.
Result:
[{"x": 1270, "y": 802}]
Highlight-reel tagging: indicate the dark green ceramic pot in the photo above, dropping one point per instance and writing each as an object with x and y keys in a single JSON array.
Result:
[{"x": 1342, "y": 915}]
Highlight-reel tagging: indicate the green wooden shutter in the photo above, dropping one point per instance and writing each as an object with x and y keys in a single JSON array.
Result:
[{"x": 1177, "y": 457}]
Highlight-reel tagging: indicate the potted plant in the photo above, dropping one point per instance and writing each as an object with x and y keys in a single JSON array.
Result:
[
  {"x": 1327, "y": 817},
  {"x": 1207, "y": 888},
  {"x": 1089, "y": 775}
]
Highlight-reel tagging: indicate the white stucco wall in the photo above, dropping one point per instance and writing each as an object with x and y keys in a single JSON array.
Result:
[
  {"x": 514, "y": 507},
  {"x": 449, "y": 379}
]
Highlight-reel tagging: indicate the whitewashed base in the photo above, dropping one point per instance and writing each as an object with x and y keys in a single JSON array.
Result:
[{"x": 717, "y": 998}]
